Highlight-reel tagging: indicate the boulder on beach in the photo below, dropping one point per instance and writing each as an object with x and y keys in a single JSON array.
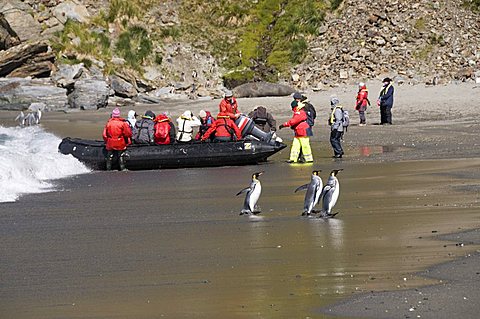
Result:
[
  {"x": 89, "y": 94},
  {"x": 121, "y": 87},
  {"x": 259, "y": 89},
  {"x": 19, "y": 94}
]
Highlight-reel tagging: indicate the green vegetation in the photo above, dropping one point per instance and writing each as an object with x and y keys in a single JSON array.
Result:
[
  {"x": 420, "y": 24},
  {"x": 80, "y": 42},
  {"x": 134, "y": 46},
  {"x": 253, "y": 39},
  {"x": 261, "y": 39},
  {"x": 424, "y": 53},
  {"x": 473, "y": 4},
  {"x": 78, "y": 38}
]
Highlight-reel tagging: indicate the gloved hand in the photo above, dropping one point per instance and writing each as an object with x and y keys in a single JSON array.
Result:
[{"x": 281, "y": 126}]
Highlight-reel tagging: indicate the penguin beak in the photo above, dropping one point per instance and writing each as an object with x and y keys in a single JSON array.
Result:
[{"x": 256, "y": 175}]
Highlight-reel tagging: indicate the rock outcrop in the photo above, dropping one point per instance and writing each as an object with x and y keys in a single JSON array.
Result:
[
  {"x": 18, "y": 21},
  {"x": 20, "y": 93},
  {"x": 89, "y": 94},
  {"x": 29, "y": 59},
  {"x": 416, "y": 41}
]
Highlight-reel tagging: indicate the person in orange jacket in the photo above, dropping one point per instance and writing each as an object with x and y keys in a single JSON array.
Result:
[
  {"x": 362, "y": 103},
  {"x": 301, "y": 141},
  {"x": 229, "y": 106},
  {"x": 117, "y": 135},
  {"x": 224, "y": 128}
]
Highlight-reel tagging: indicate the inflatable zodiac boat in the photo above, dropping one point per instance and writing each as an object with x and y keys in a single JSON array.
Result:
[{"x": 255, "y": 148}]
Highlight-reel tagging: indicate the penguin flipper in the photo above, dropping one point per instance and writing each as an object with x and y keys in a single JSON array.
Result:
[
  {"x": 301, "y": 188},
  {"x": 246, "y": 189}
]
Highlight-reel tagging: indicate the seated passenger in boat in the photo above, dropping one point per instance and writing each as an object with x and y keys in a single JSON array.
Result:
[
  {"x": 164, "y": 130},
  {"x": 207, "y": 120},
  {"x": 263, "y": 119},
  {"x": 224, "y": 128},
  {"x": 185, "y": 124},
  {"x": 144, "y": 130}
]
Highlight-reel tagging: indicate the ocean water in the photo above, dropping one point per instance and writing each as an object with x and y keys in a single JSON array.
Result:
[{"x": 29, "y": 161}]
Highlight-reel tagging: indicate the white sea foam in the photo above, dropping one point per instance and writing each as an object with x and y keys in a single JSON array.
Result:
[{"x": 29, "y": 160}]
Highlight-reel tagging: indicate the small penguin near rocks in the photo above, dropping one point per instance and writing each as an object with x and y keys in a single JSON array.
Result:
[
  {"x": 312, "y": 196},
  {"x": 330, "y": 194},
  {"x": 253, "y": 194}
]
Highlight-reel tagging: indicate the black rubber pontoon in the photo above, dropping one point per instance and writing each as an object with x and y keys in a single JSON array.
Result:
[{"x": 194, "y": 154}]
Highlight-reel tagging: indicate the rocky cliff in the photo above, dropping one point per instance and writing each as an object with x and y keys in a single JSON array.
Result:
[
  {"x": 148, "y": 50},
  {"x": 417, "y": 41}
]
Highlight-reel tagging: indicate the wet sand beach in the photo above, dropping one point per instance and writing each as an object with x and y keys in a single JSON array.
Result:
[{"x": 170, "y": 243}]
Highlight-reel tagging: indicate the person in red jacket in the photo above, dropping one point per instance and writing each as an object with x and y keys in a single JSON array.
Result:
[
  {"x": 164, "y": 130},
  {"x": 224, "y": 128},
  {"x": 117, "y": 135},
  {"x": 362, "y": 103},
  {"x": 301, "y": 141},
  {"x": 229, "y": 105}
]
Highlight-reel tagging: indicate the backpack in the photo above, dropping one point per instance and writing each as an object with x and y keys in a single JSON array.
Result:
[
  {"x": 311, "y": 113},
  {"x": 162, "y": 133},
  {"x": 345, "y": 119}
]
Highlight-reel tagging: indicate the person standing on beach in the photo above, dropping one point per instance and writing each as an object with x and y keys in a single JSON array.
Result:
[
  {"x": 362, "y": 103},
  {"x": 336, "y": 127},
  {"x": 301, "y": 141},
  {"x": 229, "y": 106},
  {"x": 116, "y": 134},
  {"x": 309, "y": 109},
  {"x": 385, "y": 101}
]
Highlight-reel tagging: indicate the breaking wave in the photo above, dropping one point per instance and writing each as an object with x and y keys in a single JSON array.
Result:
[{"x": 29, "y": 161}]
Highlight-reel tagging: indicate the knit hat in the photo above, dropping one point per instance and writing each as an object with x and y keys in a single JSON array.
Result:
[
  {"x": 202, "y": 114},
  {"x": 116, "y": 112},
  {"x": 334, "y": 100},
  {"x": 149, "y": 114},
  {"x": 297, "y": 95},
  {"x": 228, "y": 93},
  {"x": 387, "y": 80}
]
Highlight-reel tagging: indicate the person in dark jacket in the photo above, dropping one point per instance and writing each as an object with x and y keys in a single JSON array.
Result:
[
  {"x": 144, "y": 129},
  {"x": 385, "y": 101},
  {"x": 263, "y": 120},
  {"x": 224, "y": 128},
  {"x": 116, "y": 134}
]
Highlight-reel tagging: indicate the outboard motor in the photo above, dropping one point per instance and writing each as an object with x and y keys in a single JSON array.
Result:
[{"x": 247, "y": 127}]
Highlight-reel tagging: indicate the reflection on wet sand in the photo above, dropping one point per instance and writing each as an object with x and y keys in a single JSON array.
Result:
[
  {"x": 367, "y": 150},
  {"x": 171, "y": 243}
]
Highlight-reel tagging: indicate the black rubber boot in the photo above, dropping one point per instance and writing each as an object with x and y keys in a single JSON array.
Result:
[
  {"x": 121, "y": 162},
  {"x": 109, "y": 162}
]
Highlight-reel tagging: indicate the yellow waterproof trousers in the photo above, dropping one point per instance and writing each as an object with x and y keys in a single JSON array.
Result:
[{"x": 301, "y": 143}]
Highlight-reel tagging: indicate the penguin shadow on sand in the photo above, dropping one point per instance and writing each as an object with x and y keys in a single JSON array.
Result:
[
  {"x": 253, "y": 193},
  {"x": 316, "y": 192}
]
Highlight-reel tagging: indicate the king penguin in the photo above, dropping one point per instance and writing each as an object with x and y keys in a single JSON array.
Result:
[
  {"x": 314, "y": 190},
  {"x": 253, "y": 194},
  {"x": 330, "y": 194}
]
